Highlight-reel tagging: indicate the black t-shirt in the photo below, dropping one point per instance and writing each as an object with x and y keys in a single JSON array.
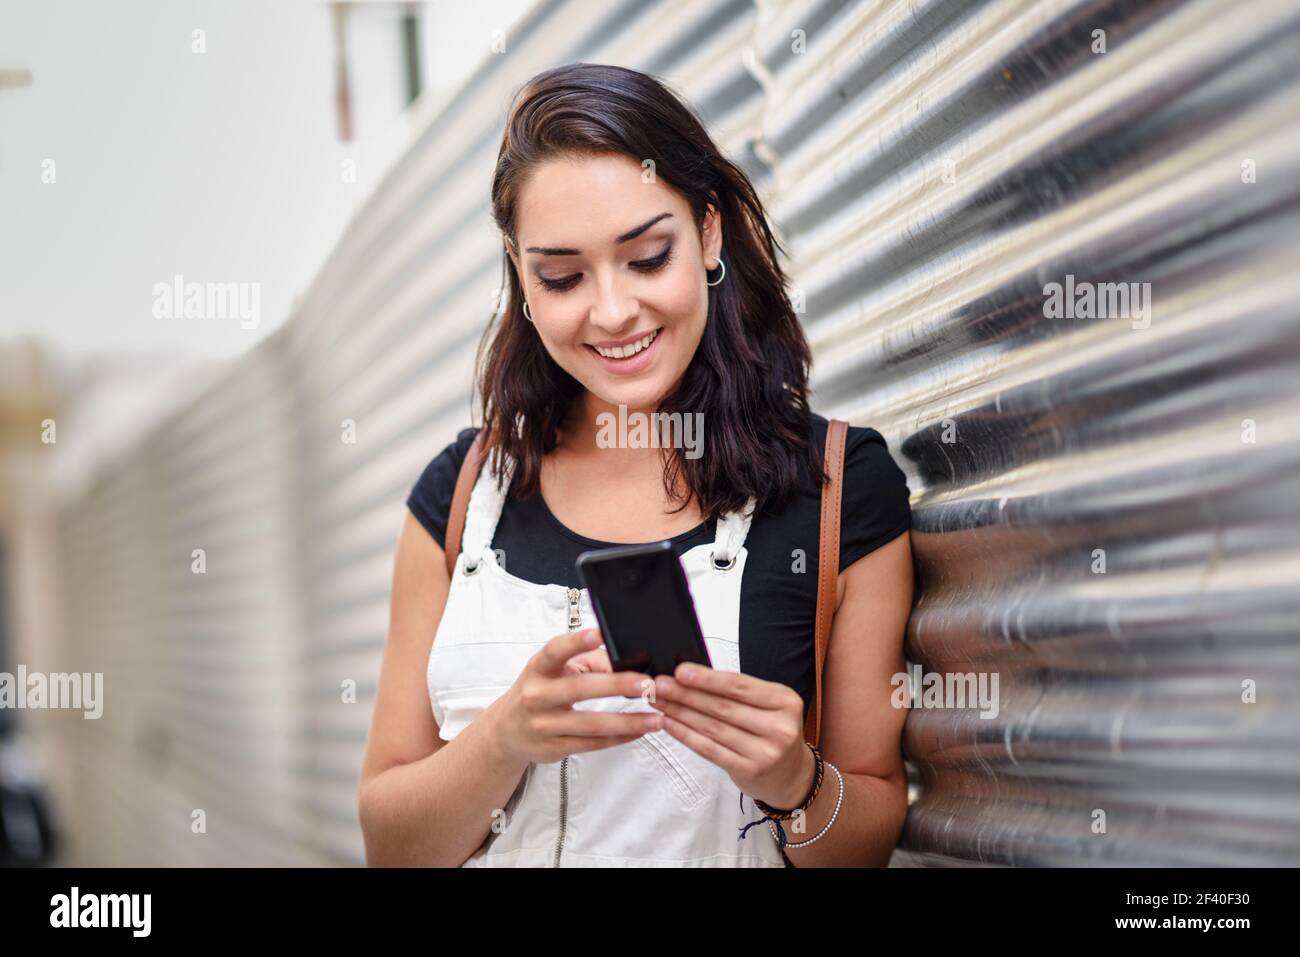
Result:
[{"x": 778, "y": 591}]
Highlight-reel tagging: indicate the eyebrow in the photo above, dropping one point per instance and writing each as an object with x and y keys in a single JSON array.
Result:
[{"x": 626, "y": 237}]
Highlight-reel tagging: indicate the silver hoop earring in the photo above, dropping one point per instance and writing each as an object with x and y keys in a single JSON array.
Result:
[
  {"x": 723, "y": 267},
  {"x": 527, "y": 314}
]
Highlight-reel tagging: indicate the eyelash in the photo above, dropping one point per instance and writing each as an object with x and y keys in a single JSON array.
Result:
[{"x": 644, "y": 265}]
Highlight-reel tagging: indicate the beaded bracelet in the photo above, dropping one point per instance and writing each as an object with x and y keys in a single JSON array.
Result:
[{"x": 781, "y": 839}]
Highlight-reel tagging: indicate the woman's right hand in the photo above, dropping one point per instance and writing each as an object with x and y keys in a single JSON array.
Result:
[{"x": 535, "y": 720}]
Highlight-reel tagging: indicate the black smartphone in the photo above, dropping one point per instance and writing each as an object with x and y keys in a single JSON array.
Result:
[{"x": 644, "y": 607}]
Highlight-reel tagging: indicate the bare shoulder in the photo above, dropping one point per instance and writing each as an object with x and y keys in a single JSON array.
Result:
[{"x": 887, "y": 569}]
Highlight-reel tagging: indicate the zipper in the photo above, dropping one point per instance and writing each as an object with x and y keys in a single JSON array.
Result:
[{"x": 575, "y": 619}]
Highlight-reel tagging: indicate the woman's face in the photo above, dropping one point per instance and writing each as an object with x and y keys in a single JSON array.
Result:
[{"x": 608, "y": 260}]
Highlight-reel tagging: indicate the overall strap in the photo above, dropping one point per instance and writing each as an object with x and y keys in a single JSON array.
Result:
[
  {"x": 732, "y": 529},
  {"x": 828, "y": 567},
  {"x": 469, "y": 470}
]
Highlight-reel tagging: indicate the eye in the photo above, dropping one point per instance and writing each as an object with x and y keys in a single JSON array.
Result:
[
  {"x": 559, "y": 285},
  {"x": 642, "y": 265},
  {"x": 658, "y": 262}
]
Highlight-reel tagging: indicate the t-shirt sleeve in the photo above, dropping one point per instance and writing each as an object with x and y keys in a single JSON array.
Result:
[
  {"x": 430, "y": 497},
  {"x": 876, "y": 505}
]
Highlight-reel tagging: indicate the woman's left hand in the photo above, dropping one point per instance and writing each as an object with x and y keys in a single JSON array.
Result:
[{"x": 751, "y": 728}]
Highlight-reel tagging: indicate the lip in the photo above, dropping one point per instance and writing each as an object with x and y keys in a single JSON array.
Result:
[
  {"x": 634, "y": 364},
  {"x": 611, "y": 343}
]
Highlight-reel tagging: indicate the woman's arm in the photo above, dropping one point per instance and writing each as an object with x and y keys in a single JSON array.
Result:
[
  {"x": 861, "y": 730},
  {"x": 424, "y": 801}
]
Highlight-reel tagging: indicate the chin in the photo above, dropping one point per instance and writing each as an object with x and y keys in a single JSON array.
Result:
[{"x": 642, "y": 397}]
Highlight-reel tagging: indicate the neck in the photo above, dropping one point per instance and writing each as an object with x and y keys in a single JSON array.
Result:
[{"x": 594, "y": 421}]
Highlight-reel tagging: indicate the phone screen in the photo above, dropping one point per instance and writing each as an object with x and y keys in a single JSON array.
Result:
[{"x": 644, "y": 606}]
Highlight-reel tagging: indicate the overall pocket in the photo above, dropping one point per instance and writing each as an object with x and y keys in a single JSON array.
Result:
[
  {"x": 455, "y": 708},
  {"x": 466, "y": 673},
  {"x": 660, "y": 747}
]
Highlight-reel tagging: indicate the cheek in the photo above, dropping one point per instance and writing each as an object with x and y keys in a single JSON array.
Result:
[
  {"x": 682, "y": 299},
  {"x": 563, "y": 342},
  {"x": 683, "y": 304},
  {"x": 557, "y": 329}
]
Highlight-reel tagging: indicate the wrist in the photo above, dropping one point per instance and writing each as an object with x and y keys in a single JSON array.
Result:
[
  {"x": 495, "y": 742},
  {"x": 800, "y": 784}
]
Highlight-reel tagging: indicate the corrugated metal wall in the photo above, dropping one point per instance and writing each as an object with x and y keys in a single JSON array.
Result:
[
  {"x": 1040, "y": 446},
  {"x": 932, "y": 166}
]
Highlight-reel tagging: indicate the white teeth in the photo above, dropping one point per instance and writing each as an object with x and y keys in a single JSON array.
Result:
[{"x": 623, "y": 352}]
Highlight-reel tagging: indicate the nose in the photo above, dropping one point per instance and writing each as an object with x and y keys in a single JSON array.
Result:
[{"x": 613, "y": 311}]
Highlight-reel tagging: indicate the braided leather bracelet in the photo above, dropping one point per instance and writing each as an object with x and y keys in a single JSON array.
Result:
[
  {"x": 781, "y": 814},
  {"x": 773, "y": 815}
]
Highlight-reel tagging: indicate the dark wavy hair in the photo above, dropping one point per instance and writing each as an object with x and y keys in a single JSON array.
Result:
[{"x": 749, "y": 374}]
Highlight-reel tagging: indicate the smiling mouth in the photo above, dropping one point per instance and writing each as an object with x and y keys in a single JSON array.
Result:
[{"x": 629, "y": 350}]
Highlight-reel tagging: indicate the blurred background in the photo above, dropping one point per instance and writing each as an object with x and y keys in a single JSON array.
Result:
[{"x": 202, "y": 505}]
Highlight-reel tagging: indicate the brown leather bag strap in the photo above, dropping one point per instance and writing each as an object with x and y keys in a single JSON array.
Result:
[
  {"x": 828, "y": 567},
  {"x": 469, "y": 470}
]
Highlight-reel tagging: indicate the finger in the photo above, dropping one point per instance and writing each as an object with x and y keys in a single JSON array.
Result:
[
  {"x": 567, "y": 689},
  {"x": 576, "y": 665},
  {"x": 706, "y": 747},
  {"x": 555, "y": 654},
  {"x": 590, "y": 661},
  {"x": 744, "y": 688},
  {"x": 599, "y": 724},
  {"x": 576, "y": 745},
  {"x": 749, "y": 742},
  {"x": 735, "y": 712}
]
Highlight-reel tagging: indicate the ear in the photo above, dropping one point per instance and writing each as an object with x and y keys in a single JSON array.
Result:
[{"x": 711, "y": 237}]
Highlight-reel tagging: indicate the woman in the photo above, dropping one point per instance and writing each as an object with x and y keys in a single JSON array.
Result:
[{"x": 643, "y": 277}]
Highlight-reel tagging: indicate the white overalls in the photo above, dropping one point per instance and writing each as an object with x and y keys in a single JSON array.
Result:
[{"x": 652, "y": 802}]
